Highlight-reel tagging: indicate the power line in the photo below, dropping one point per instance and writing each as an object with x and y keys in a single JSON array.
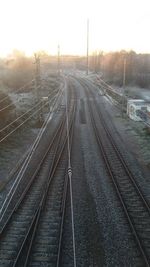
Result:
[
  {"x": 1, "y": 140},
  {"x": 11, "y": 104},
  {"x": 37, "y": 74},
  {"x": 38, "y": 80},
  {"x": 8, "y": 125},
  {"x": 18, "y": 90},
  {"x": 26, "y": 162}
]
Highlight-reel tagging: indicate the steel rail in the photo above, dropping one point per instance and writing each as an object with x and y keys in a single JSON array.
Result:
[
  {"x": 34, "y": 223},
  {"x": 110, "y": 171},
  {"x": 36, "y": 214},
  {"x": 63, "y": 209},
  {"x": 126, "y": 168},
  {"x": 119, "y": 195},
  {"x": 17, "y": 204},
  {"x": 106, "y": 160},
  {"x": 26, "y": 162}
]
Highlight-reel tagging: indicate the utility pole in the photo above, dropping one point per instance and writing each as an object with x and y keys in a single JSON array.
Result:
[
  {"x": 95, "y": 61},
  {"x": 58, "y": 61},
  {"x": 37, "y": 75},
  {"x": 87, "y": 57},
  {"x": 99, "y": 61},
  {"x": 124, "y": 73},
  {"x": 38, "y": 81},
  {"x": 124, "y": 82}
]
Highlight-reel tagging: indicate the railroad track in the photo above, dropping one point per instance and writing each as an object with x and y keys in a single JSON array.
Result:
[
  {"x": 32, "y": 234},
  {"x": 134, "y": 204},
  {"x": 27, "y": 174}
]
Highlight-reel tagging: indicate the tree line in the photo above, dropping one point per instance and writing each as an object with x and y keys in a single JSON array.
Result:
[
  {"x": 18, "y": 69},
  {"x": 112, "y": 66}
]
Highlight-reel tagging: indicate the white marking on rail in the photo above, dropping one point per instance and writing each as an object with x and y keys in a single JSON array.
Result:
[{"x": 70, "y": 178}]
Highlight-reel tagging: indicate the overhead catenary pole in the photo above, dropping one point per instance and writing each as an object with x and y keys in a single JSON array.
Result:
[
  {"x": 124, "y": 72},
  {"x": 37, "y": 75},
  {"x": 95, "y": 61},
  {"x": 38, "y": 81},
  {"x": 124, "y": 82},
  {"x": 58, "y": 60},
  {"x": 87, "y": 56}
]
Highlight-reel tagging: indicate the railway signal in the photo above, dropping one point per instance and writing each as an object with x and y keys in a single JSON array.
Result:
[{"x": 38, "y": 82}]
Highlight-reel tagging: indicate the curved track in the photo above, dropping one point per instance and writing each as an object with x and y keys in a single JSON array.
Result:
[
  {"x": 134, "y": 204},
  {"x": 31, "y": 234}
]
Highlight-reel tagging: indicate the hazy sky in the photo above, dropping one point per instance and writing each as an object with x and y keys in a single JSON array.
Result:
[{"x": 31, "y": 25}]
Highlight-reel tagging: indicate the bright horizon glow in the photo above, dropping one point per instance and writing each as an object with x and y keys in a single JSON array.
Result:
[{"x": 32, "y": 25}]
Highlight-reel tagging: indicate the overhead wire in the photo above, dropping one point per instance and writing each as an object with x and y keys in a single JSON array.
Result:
[
  {"x": 27, "y": 112},
  {"x": 27, "y": 160},
  {"x": 18, "y": 118},
  {"x": 18, "y": 90},
  {"x": 1, "y": 140},
  {"x": 16, "y": 128}
]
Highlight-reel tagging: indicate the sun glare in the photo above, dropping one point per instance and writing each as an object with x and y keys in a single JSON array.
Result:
[{"x": 35, "y": 25}]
